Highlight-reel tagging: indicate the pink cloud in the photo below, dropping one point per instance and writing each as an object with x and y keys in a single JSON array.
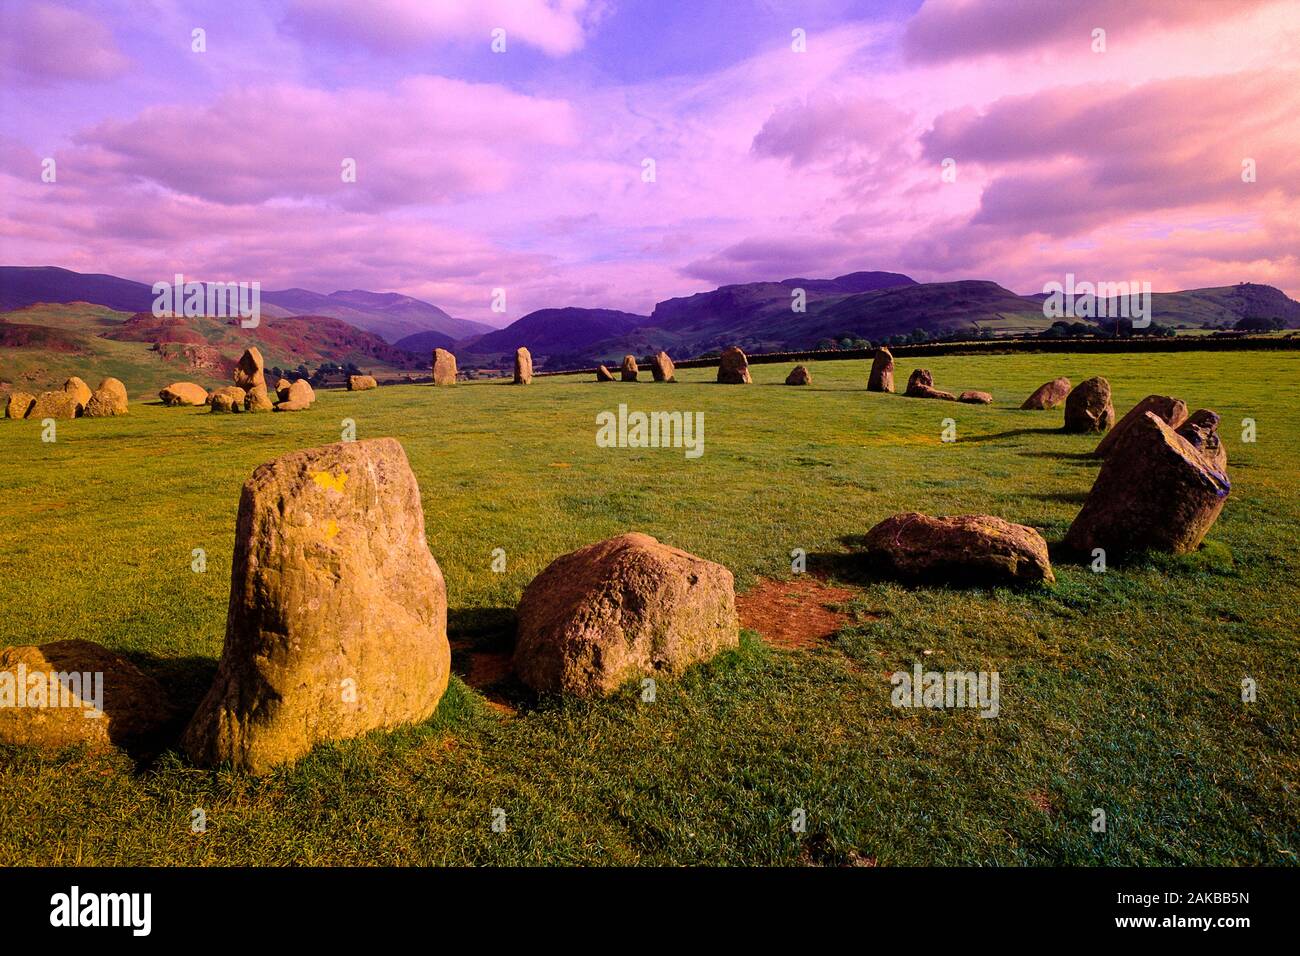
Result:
[
  {"x": 45, "y": 43},
  {"x": 554, "y": 26}
]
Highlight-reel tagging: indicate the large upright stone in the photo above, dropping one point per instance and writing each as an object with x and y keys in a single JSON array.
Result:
[
  {"x": 622, "y": 608},
  {"x": 1048, "y": 395},
  {"x": 1156, "y": 490},
  {"x": 250, "y": 370},
  {"x": 107, "y": 400},
  {"x": 337, "y": 622},
  {"x": 444, "y": 367},
  {"x": 960, "y": 549},
  {"x": 523, "y": 366},
  {"x": 75, "y": 681},
  {"x": 733, "y": 367},
  {"x": 882, "y": 371},
  {"x": 628, "y": 371},
  {"x": 1088, "y": 407},
  {"x": 662, "y": 368},
  {"x": 1172, "y": 411}
]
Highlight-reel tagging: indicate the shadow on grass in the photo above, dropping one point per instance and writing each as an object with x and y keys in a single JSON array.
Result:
[
  {"x": 1011, "y": 433},
  {"x": 482, "y": 642},
  {"x": 1078, "y": 457},
  {"x": 1062, "y": 497},
  {"x": 186, "y": 681}
]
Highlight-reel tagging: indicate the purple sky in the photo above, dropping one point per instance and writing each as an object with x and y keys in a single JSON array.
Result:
[{"x": 523, "y": 169}]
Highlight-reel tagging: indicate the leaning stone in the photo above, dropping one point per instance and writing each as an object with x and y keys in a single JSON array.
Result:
[
  {"x": 337, "y": 619},
  {"x": 733, "y": 367},
  {"x": 1156, "y": 491},
  {"x": 960, "y": 549},
  {"x": 629, "y": 368},
  {"x": 603, "y": 374},
  {"x": 1048, "y": 395},
  {"x": 623, "y": 608},
  {"x": 444, "y": 367},
  {"x": 1172, "y": 411},
  {"x": 361, "y": 383},
  {"x": 1088, "y": 407},
  {"x": 799, "y": 375},
  {"x": 132, "y": 707}
]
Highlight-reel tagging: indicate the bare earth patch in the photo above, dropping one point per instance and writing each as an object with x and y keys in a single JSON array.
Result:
[
  {"x": 486, "y": 670},
  {"x": 793, "y": 614}
]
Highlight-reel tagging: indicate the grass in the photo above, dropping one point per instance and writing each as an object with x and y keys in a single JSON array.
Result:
[{"x": 1119, "y": 691}]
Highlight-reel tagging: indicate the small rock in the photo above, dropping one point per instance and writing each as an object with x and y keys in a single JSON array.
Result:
[
  {"x": 799, "y": 375},
  {"x": 921, "y": 385},
  {"x": 228, "y": 398},
  {"x": 961, "y": 549},
  {"x": 361, "y": 383},
  {"x": 184, "y": 393},
  {"x": 19, "y": 404},
  {"x": 1048, "y": 395},
  {"x": 975, "y": 398}
]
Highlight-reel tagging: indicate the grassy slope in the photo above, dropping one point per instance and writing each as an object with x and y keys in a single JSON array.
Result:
[
  {"x": 1119, "y": 690},
  {"x": 141, "y": 370}
]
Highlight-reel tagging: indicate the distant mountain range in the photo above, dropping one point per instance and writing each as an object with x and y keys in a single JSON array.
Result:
[
  {"x": 390, "y": 332},
  {"x": 389, "y": 315}
]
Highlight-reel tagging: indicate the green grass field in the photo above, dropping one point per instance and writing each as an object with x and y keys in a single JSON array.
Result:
[{"x": 1119, "y": 691}]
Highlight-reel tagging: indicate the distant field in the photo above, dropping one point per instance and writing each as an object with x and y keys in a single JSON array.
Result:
[{"x": 1119, "y": 691}]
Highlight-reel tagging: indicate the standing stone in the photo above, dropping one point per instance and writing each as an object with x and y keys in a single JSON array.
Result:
[
  {"x": 337, "y": 622},
  {"x": 622, "y": 608},
  {"x": 184, "y": 393},
  {"x": 1088, "y": 407},
  {"x": 132, "y": 710},
  {"x": 960, "y": 549},
  {"x": 19, "y": 404},
  {"x": 361, "y": 383},
  {"x": 523, "y": 366},
  {"x": 228, "y": 398},
  {"x": 629, "y": 370},
  {"x": 733, "y": 367},
  {"x": 603, "y": 374},
  {"x": 799, "y": 375},
  {"x": 1048, "y": 395},
  {"x": 662, "y": 368},
  {"x": 1156, "y": 491},
  {"x": 882, "y": 371},
  {"x": 1172, "y": 411},
  {"x": 921, "y": 385},
  {"x": 107, "y": 400},
  {"x": 80, "y": 392},
  {"x": 258, "y": 400},
  {"x": 58, "y": 404},
  {"x": 444, "y": 367},
  {"x": 249, "y": 372}
]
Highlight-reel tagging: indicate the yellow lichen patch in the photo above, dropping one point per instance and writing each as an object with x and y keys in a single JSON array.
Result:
[{"x": 328, "y": 481}]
